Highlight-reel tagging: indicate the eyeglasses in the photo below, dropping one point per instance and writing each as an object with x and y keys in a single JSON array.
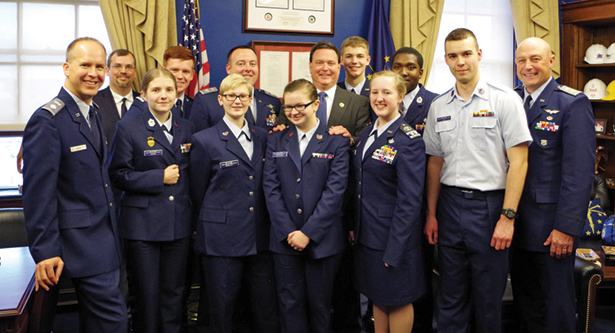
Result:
[
  {"x": 118, "y": 67},
  {"x": 233, "y": 97},
  {"x": 298, "y": 107}
]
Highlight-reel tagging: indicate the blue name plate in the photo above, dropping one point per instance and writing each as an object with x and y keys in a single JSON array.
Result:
[
  {"x": 279, "y": 154},
  {"x": 153, "y": 152}
]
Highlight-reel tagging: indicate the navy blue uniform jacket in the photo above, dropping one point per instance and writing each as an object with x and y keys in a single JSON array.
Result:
[
  {"x": 67, "y": 198},
  {"x": 208, "y": 112},
  {"x": 306, "y": 193},
  {"x": 151, "y": 210},
  {"x": 227, "y": 190},
  {"x": 560, "y": 167},
  {"x": 388, "y": 196},
  {"x": 416, "y": 114}
]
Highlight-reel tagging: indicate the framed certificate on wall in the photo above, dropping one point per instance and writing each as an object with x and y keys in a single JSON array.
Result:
[{"x": 293, "y": 16}]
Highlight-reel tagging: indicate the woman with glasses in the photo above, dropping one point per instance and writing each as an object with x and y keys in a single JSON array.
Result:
[
  {"x": 232, "y": 224},
  {"x": 150, "y": 164},
  {"x": 306, "y": 174},
  {"x": 388, "y": 173}
]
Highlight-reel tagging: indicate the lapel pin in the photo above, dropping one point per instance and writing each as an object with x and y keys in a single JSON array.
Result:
[
  {"x": 151, "y": 122},
  {"x": 419, "y": 99},
  {"x": 341, "y": 105},
  {"x": 318, "y": 136},
  {"x": 225, "y": 133}
]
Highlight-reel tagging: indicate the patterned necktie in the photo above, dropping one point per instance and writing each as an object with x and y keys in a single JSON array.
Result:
[{"x": 322, "y": 108}]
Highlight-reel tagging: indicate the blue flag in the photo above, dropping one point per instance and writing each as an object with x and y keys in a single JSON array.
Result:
[{"x": 381, "y": 47}]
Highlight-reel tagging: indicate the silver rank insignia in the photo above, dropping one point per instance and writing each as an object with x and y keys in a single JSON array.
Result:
[{"x": 151, "y": 122}]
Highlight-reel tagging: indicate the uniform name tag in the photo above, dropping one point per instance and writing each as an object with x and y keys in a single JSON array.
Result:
[
  {"x": 322, "y": 155},
  {"x": 78, "y": 148},
  {"x": 277, "y": 154},
  {"x": 443, "y": 118},
  {"x": 228, "y": 164},
  {"x": 152, "y": 152}
]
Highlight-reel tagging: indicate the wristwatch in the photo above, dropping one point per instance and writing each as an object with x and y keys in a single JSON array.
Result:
[{"x": 510, "y": 213}]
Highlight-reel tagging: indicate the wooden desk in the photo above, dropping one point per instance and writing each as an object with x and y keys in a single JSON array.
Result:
[
  {"x": 16, "y": 286},
  {"x": 608, "y": 271}
]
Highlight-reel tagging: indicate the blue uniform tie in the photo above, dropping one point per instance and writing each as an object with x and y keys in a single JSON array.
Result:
[{"x": 322, "y": 108}]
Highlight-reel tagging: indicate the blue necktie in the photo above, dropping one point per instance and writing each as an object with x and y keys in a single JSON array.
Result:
[
  {"x": 124, "y": 109},
  {"x": 94, "y": 128},
  {"x": 526, "y": 105},
  {"x": 322, "y": 108}
]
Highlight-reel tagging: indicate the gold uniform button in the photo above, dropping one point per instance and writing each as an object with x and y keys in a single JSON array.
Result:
[
  {"x": 251, "y": 209},
  {"x": 298, "y": 180},
  {"x": 106, "y": 186},
  {"x": 251, "y": 194},
  {"x": 359, "y": 183},
  {"x": 299, "y": 211},
  {"x": 297, "y": 196},
  {"x": 111, "y": 204},
  {"x": 171, "y": 198},
  {"x": 250, "y": 178},
  {"x": 359, "y": 197}
]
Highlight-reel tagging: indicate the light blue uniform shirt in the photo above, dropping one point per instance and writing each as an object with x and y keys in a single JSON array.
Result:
[{"x": 472, "y": 136}]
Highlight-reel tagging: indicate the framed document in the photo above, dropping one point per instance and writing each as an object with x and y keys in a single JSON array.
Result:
[
  {"x": 600, "y": 126},
  {"x": 280, "y": 63},
  {"x": 294, "y": 16}
]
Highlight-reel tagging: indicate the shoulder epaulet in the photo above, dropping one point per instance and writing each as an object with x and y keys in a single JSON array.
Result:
[
  {"x": 568, "y": 90},
  {"x": 410, "y": 132},
  {"x": 140, "y": 99},
  {"x": 208, "y": 90},
  {"x": 268, "y": 93},
  {"x": 54, "y": 106},
  {"x": 445, "y": 94}
]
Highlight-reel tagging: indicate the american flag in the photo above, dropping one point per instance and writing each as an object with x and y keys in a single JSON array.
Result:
[{"x": 192, "y": 38}]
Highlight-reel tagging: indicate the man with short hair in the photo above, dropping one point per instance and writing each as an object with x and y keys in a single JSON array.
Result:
[
  {"x": 553, "y": 207},
  {"x": 346, "y": 113},
  {"x": 115, "y": 100},
  {"x": 477, "y": 137},
  {"x": 355, "y": 58},
  {"x": 179, "y": 60},
  {"x": 265, "y": 107},
  {"x": 68, "y": 203},
  {"x": 408, "y": 62}
]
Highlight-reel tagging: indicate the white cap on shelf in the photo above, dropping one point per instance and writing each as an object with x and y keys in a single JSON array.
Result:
[
  {"x": 595, "y": 54},
  {"x": 595, "y": 89},
  {"x": 610, "y": 55}
]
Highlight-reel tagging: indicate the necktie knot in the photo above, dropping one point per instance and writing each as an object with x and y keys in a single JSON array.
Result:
[
  {"x": 244, "y": 134},
  {"x": 528, "y": 101}
]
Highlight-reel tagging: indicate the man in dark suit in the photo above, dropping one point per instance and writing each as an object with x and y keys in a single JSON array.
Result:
[
  {"x": 115, "y": 100},
  {"x": 408, "y": 62},
  {"x": 345, "y": 113},
  {"x": 265, "y": 107},
  {"x": 179, "y": 60},
  {"x": 553, "y": 206},
  {"x": 355, "y": 58},
  {"x": 67, "y": 198}
]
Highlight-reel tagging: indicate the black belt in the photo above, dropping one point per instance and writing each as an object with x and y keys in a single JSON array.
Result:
[{"x": 469, "y": 193}]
